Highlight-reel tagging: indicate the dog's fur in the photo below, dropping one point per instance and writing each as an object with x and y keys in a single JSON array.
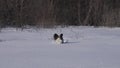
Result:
[{"x": 58, "y": 38}]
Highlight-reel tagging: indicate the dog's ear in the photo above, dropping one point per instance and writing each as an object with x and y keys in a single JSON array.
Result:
[
  {"x": 61, "y": 36},
  {"x": 55, "y": 36}
]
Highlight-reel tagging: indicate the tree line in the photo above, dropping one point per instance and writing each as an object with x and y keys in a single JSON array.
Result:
[{"x": 49, "y": 13}]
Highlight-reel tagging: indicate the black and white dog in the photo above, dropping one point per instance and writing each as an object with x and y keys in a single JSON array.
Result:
[{"x": 58, "y": 38}]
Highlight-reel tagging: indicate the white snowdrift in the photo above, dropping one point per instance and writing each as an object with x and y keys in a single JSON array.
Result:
[{"x": 86, "y": 47}]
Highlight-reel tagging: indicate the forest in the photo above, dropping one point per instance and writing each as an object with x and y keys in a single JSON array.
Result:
[{"x": 50, "y": 13}]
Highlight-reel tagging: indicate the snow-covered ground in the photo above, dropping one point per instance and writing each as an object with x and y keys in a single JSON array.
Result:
[{"x": 87, "y": 47}]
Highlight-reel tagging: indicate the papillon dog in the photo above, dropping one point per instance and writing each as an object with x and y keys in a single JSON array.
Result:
[{"x": 58, "y": 38}]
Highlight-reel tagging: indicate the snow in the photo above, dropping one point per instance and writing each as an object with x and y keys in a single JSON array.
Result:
[{"x": 86, "y": 47}]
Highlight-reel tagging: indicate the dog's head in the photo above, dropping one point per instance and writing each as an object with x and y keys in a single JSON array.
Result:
[{"x": 58, "y": 38}]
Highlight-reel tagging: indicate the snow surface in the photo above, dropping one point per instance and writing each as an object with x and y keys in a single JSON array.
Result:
[{"x": 86, "y": 47}]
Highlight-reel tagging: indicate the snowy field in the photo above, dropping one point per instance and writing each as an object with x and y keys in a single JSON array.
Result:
[{"x": 87, "y": 47}]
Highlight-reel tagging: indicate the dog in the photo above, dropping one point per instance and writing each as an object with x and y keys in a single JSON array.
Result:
[{"x": 58, "y": 38}]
